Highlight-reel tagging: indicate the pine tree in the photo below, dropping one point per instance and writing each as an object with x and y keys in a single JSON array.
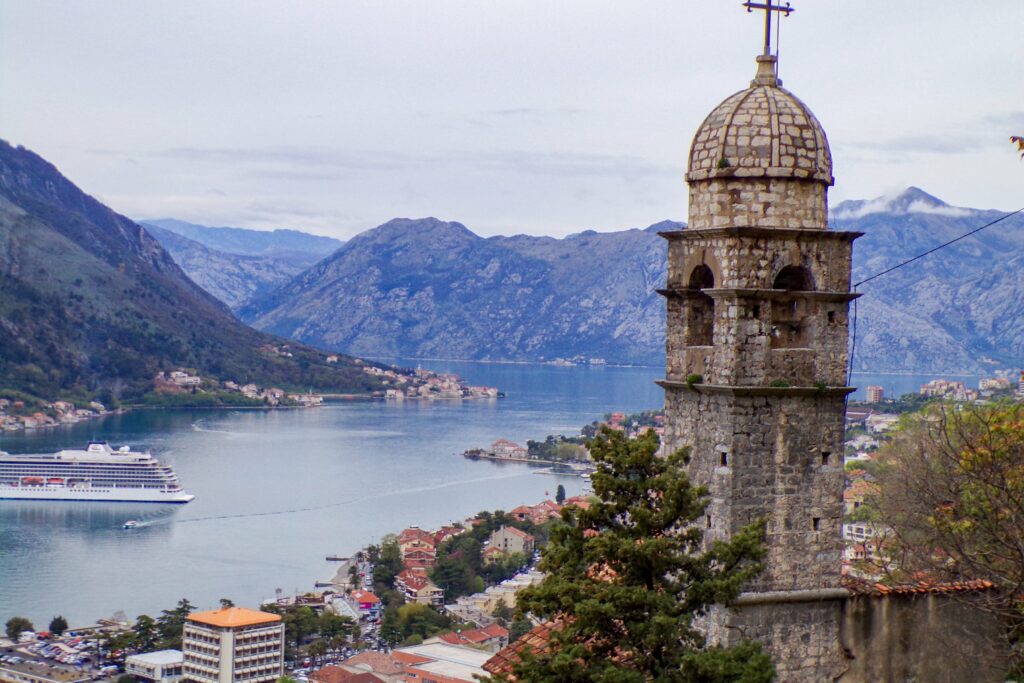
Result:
[{"x": 627, "y": 577}]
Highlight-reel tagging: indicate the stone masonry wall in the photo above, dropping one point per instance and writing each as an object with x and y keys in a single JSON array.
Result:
[
  {"x": 802, "y": 637},
  {"x": 933, "y": 638},
  {"x": 753, "y": 260},
  {"x": 775, "y": 454},
  {"x": 761, "y": 202}
]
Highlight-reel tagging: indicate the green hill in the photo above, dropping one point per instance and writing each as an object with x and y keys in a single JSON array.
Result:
[{"x": 92, "y": 305}]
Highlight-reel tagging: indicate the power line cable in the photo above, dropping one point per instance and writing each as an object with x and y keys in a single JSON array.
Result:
[
  {"x": 935, "y": 249},
  {"x": 853, "y": 340}
]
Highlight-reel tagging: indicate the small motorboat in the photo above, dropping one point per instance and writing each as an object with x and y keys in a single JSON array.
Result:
[{"x": 130, "y": 524}]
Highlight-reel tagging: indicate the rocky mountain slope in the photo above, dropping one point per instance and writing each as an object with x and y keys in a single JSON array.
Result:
[
  {"x": 233, "y": 278},
  {"x": 428, "y": 288},
  {"x": 958, "y": 309},
  {"x": 90, "y": 302},
  {"x": 431, "y": 288}
]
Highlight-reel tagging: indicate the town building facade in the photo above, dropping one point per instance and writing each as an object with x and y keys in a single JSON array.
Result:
[
  {"x": 233, "y": 645},
  {"x": 162, "y": 666}
]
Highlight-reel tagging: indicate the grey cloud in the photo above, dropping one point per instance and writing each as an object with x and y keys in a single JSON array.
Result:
[
  {"x": 533, "y": 111},
  {"x": 919, "y": 144},
  {"x": 301, "y": 164}
]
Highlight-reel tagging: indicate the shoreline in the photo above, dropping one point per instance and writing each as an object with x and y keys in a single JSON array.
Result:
[
  {"x": 124, "y": 410},
  {"x": 523, "y": 460},
  {"x": 901, "y": 373}
]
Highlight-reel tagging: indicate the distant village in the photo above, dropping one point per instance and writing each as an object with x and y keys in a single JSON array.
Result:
[
  {"x": 181, "y": 386},
  {"x": 571, "y": 451},
  {"x": 15, "y": 415},
  {"x": 420, "y": 384}
]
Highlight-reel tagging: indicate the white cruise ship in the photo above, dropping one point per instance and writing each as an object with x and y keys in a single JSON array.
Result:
[{"x": 97, "y": 473}]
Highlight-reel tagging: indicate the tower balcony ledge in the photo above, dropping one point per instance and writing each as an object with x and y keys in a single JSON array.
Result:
[
  {"x": 760, "y": 232},
  {"x": 751, "y": 293},
  {"x": 746, "y": 390}
]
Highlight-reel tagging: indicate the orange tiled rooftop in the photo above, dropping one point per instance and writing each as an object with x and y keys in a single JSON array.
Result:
[{"x": 233, "y": 617}]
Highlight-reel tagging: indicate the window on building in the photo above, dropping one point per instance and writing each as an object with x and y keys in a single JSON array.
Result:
[
  {"x": 789, "y": 314},
  {"x": 701, "y": 308}
]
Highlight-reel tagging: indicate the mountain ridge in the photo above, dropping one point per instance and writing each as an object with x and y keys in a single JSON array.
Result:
[
  {"x": 593, "y": 293},
  {"x": 280, "y": 242},
  {"x": 233, "y": 278}
]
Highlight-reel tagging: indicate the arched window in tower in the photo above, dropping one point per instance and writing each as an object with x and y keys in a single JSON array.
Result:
[
  {"x": 793, "y": 279},
  {"x": 701, "y": 319},
  {"x": 789, "y": 313}
]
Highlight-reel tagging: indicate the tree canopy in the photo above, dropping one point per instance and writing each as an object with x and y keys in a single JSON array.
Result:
[
  {"x": 58, "y": 625},
  {"x": 627, "y": 577},
  {"x": 16, "y": 626},
  {"x": 950, "y": 502}
]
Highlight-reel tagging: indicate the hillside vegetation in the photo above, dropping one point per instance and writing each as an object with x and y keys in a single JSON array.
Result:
[{"x": 91, "y": 304}]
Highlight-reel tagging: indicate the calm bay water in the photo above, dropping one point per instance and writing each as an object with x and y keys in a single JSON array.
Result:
[
  {"x": 276, "y": 491},
  {"x": 279, "y": 490}
]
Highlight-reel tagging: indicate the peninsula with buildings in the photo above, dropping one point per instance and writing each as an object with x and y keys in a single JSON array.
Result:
[{"x": 187, "y": 387}]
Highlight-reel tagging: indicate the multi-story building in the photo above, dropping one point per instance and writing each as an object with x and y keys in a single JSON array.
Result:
[
  {"x": 509, "y": 540},
  {"x": 233, "y": 645},
  {"x": 162, "y": 666},
  {"x": 875, "y": 394}
]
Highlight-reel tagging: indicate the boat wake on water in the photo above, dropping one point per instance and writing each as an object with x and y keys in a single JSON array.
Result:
[{"x": 198, "y": 426}]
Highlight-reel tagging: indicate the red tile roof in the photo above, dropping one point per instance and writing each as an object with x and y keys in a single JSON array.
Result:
[
  {"x": 474, "y": 636},
  {"x": 362, "y": 596},
  {"x": 415, "y": 534},
  {"x": 492, "y": 631},
  {"x": 581, "y": 502},
  {"x": 378, "y": 662},
  {"x": 536, "y": 640},
  {"x": 233, "y": 617},
  {"x": 864, "y": 587},
  {"x": 336, "y": 674},
  {"x": 518, "y": 532}
]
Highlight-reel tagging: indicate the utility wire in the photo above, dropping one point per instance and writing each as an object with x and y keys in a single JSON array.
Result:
[
  {"x": 935, "y": 249},
  {"x": 853, "y": 345}
]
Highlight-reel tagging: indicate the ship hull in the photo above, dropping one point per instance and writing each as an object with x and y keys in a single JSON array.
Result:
[{"x": 119, "y": 495}]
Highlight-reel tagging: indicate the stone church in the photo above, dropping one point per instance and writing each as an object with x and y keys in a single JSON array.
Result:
[{"x": 758, "y": 299}]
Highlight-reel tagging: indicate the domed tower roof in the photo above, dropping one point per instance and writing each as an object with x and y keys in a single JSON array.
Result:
[{"x": 763, "y": 131}]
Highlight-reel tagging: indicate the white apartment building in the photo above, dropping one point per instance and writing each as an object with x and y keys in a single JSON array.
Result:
[
  {"x": 162, "y": 666},
  {"x": 233, "y": 645}
]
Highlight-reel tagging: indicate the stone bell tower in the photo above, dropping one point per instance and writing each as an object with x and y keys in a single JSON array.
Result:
[{"x": 757, "y": 297}]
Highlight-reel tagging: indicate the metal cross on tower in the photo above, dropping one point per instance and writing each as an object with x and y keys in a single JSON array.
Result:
[{"x": 768, "y": 7}]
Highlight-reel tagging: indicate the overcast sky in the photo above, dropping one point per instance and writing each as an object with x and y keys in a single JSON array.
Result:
[{"x": 535, "y": 116}]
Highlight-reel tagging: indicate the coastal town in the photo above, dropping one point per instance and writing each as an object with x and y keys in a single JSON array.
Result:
[
  {"x": 422, "y": 604},
  {"x": 391, "y": 612},
  {"x": 184, "y": 387}
]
